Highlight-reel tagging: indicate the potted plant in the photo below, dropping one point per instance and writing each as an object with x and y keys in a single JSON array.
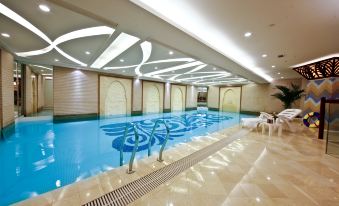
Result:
[{"x": 288, "y": 95}]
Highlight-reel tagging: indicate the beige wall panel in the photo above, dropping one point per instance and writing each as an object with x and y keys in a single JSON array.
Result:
[
  {"x": 257, "y": 97},
  {"x": 230, "y": 99},
  {"x": 153, "y": 97},
  {"x": 137, "y": 95},
  {"x": 7, "y": 106},
  {"x": 28, "y": 91},
  {"x": 192, "y": 96},
  {"x": 115, "y": 96},
  {"x": 168, "y": 95},
  {"x": 178, "y": 98},
  {"x": 213, "y": 97},
  {"x": 48, "y": 93},
  {"x": 41, "y": 94},
  {"x": 75, "y": 91}
]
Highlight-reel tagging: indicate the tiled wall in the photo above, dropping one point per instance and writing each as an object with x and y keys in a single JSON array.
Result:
[
  {"x": 7, "y": 88},
  {"x": 75, "y": 91}
]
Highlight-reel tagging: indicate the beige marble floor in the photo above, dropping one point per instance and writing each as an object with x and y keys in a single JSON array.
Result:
[{"x": 257, "y": 169}]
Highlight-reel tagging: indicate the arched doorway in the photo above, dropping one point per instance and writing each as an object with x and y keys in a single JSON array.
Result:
[
  {"x": 177, "y": 99},
  {"x": 230, "y": 99},
  {"x": 116, "y": 100},
  {"x": 151, "y": 99}
]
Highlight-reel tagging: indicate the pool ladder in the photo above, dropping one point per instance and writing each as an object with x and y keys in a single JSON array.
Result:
[
  {"x": 160, "y": 159},
  {"x": 135, "y": 148},
  {"x": 136, "y": 144}
]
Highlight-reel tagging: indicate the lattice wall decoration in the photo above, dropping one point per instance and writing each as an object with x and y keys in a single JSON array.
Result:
[{"x": 318, "y": 70}]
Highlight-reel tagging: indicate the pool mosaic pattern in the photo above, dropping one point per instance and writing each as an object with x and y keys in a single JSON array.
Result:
[{"x": 63, "y": 153}]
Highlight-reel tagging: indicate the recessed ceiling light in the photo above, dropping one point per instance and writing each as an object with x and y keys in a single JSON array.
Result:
[
  {"x": 170, "y": 52},
  {"x": 56, "y": 60},
  {"x": 248, "y": 34},
  {"x": 278, "y": 72},
  {"x": 155, "y": 68},
  {"x": 5, "y": 35},
  {"x": 121, "y": 60},
  {"x": 214, "y": 68},
  {"x": 264, "y": 55},
  {"x": 123, "y": 71},
  {"x": 44, "y": 8},
  {"x": 282, "y": 77},
  {"x": 87, "y": 52},
  {"x": 273, "y": 66}
]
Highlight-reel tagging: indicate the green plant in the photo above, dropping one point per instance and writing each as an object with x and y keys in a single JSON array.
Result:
[{"x": 288, "y": 95}]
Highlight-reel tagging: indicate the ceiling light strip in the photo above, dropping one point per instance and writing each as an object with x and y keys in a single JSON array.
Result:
[
  {"x": 153, "y": 62},
  {"x": 119, "y": 45},
  {"x": 146, "y": 48},
  {"x": 182, "y": 66}
]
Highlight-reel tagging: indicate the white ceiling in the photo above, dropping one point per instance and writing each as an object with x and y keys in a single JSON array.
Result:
[
  {"x": 293, "y": 28},
  {"x": 301, "y": 30},
  {"x": 162, "y": 63}
]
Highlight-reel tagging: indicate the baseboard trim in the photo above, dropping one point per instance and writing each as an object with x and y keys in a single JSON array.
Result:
[
  {"x": 136, "y": 113},
  {"x": 74, "y": 117},
  {"x": 213, "y": 109}
]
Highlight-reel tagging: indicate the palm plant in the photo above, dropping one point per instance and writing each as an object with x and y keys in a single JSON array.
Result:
[{"x": 288, "y": 95}]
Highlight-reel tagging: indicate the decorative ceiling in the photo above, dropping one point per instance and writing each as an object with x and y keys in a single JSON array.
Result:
[
  {"x": 55, "y": 36},
  {"x": 318, "y": 70}
]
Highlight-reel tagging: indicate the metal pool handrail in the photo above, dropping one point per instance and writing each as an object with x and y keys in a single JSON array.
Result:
[
  {"x": 136, "y": 144},
  {"x": 163, "y": 144}
]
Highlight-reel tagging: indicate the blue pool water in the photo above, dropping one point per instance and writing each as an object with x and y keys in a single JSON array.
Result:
[{"x": 41, "y": 155}]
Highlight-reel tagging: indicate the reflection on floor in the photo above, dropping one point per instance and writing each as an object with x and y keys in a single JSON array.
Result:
[{"x": 256, "y": 169}]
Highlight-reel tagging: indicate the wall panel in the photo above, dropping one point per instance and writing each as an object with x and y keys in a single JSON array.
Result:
[
  {"x": 153, "y": 97},
  {"x": 7, "y": 88},
  {"x": 75, "y": 91},
  {"x": 178, "y": 97},
  {"x": 115, "y": 96}
]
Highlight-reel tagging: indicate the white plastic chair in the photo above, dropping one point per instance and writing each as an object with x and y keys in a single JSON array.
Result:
[
  {"x": 286, "y": 117},
  {"x": 254, "y": 122}
]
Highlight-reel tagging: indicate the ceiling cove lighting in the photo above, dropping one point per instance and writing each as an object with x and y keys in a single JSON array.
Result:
[
  {"x": 316, "y": 60},
  {"x": 87, "y": 32},
  {"x": 153, "y": 62},
  {"x": 44, "y": 8},
  {"x": 5, "y": 35},
  {"x": 192, "y": 22},
  {"x": 34, "y": 65},
  {"x": 146, "y": 48},
  {"x": 120, "y": 44}
]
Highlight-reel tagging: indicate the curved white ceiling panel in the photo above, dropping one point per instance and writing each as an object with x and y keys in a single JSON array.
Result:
[
  {"x": 146, "y": 53},
  {"x": 120, "y": 44}
]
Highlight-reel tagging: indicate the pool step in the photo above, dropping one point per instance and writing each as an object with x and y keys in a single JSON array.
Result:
[{"x": 134, "y": 190}]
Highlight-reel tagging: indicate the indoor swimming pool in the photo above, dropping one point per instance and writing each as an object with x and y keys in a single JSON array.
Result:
[{"x": 41, "y": 155}]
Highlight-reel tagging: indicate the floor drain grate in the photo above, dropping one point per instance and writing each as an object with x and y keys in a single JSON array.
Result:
[{"x": 134, "y": 190}]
